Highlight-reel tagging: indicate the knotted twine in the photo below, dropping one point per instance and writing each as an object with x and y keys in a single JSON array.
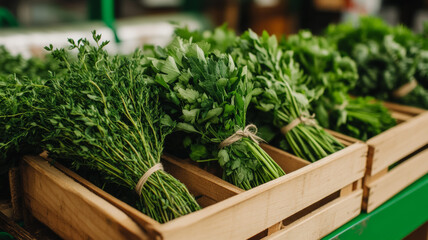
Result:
[
  {"x": 304, "y": 118},
  {"x": 249, "y": 131},
  {"x": 145, "y": 177},
  {"x": 405, "y": 89}
]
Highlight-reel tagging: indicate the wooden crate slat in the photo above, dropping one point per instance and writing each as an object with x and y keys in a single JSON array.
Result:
[
  {"x": 237, "y": 214},
  {"x": 398, "y": 142},
  {"x": 397, "y": 179},
  {"x": 252, "y": 211},
  {"x": 323, "y": 220},
  {"x": 82, "y": 214}
]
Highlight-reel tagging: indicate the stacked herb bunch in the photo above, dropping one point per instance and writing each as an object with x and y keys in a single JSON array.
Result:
[
  {"x": 280, "y": 94},
  {"x": 20, "y": 80},
  {"x": 210, "y": 95},
  {"x": 392, "y": 61},
  {"x": 284, "y": 97},
  {"x": 99, "y": 113},
  {"x": 335, "y": 75}
]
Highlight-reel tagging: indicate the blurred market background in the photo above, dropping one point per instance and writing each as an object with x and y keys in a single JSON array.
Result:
[{"x": 26, "y": 26}]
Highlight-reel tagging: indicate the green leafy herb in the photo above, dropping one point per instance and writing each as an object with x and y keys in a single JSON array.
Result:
[{"x": 210, "y": 96}]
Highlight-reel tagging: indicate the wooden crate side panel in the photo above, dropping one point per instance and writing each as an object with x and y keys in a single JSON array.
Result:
[
  {"x": 323, "y": 220},
  {"x": 398, "y": 142},
  {"x": 253, "y": 211},
  {"x": 69, "y": 209},
  {"x": 396, "y": 180},
  {"x": 285, "y": 160},
  {"x": 403, "y": 108},
  {"x": 199, "y": 181}
]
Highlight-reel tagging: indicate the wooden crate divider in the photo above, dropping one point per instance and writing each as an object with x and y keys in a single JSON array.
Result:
[
  {"x": 309, "y": 198},
  {"x": 403, "y": 145}
]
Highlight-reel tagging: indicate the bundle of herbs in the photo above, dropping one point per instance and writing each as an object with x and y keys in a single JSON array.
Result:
[
  {"x": 285, "y": 96},
  {"x": 335, "y": 75},
  {"x": 19, "y": 79},
  {"x": 210, "y": 95},
  {"x": 392, "y": 61},
  {"x": 282, "y": 99},
  {"x": 101, "y": 114}
]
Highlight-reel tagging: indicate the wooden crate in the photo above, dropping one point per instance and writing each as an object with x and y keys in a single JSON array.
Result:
[
  {"x": 307, "y": 203},
  {"x": 396, "y": 157}
]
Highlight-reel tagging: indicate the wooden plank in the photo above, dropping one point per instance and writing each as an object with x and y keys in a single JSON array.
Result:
[
  {"x": 398, "y": 142},
  {"x": 403, "y": 108},
  {"x": 397, "y": 179},
  {"x": 343, "y": 137},
  {"x": 6, "y": 208},
  {"x": 250, "y": 212},
  {"x": 285, "y": 160},
  {"x": 15, "y": 193},
  {"x": 323, "y": 220},
  {"x": 9, "y": 226},
  {"x": 369, "y": 179},
  {"x": 401, "y": 117},
  {"x": 274, "y": 228},
  {"x": 200, "y": 181},
  {"x": 347, "y": 190},
  {"x": 70, "y": 209},
  {"x": 205, "y": 201},
  {"x": 147, "y": 224}
]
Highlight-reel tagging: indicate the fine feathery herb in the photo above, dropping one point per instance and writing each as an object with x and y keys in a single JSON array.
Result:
[
  {"x": 19, "y": 81},
  {"x": 99, "y": 113},
  {"x": 210, "y": 95}
]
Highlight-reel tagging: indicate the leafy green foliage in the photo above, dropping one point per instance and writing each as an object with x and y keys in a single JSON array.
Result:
[
  {"x": 335, "y": 75},
  {"x": 210, "y": 96},
  {"x": 100, "y": 113},
  {"x": 387, "y": 58},
  {"x": 280, "y": 90},
  {"x": 283, "y": 94}
]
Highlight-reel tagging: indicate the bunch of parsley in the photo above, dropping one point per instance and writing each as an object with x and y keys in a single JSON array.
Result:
[
  {"x": 285, "y": 95},
  {"x": 335, "y": 75},
  {"x": 282, "y": 96},
  {"x": 210, "y": 95},
  {"x": 387, "y": 58}
]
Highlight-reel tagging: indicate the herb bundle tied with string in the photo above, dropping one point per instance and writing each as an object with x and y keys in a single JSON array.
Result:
[{"x": 101, "y": 114}]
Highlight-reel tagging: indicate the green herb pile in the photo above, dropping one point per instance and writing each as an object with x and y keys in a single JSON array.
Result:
[
  {"x": 18, "y": 81},
  {"x": 99, "y": 112},
  {"x": 281, "y": 94},
  {"x": 387, "y": 58},
  {"x": 284, "y": 96},
  {"x": 210, "y": 94},
  {"x": 334, "y": 76}
]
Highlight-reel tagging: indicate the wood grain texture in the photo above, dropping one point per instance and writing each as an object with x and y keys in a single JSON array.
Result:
[
  {"x": 403, "y": 109},
  {"x": 9, "y": 226},
  {"x": 286, "y": 161},
  {"x": 323, "y": 220},
  {"x": 250, "y": 212},
  {"x": 70, "y": 209},
  {"x": 385, "y": 187},
  {"x": 237, "y": 214},
  {"x": 398, "y": 142},
  {"x": 198, "y": 180},
  {"x": 15, "y": 193}
]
